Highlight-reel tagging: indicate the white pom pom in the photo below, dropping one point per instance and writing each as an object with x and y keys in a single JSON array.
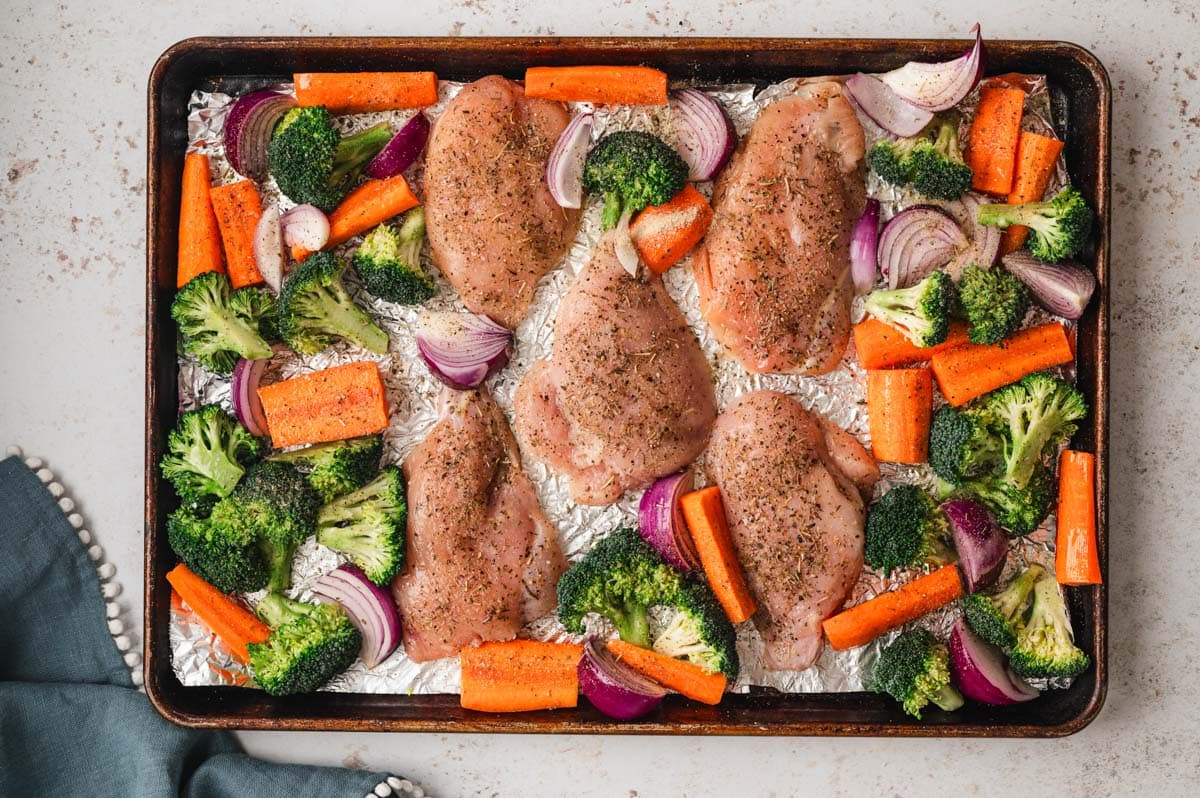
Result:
[
  {"x": 45, "y": 475},
  {"x": 67, "y": 504},
  {"x": 75, "y": 520},
  {"x": 110, "y": 590},
  {"x": 56, "y": 489},
  {"x": 95, "y": 552},
  {"x": 417, "y": 792},
  {"x": 107, "y": 571},
  {"x": 133, "y": 658},
  {"x": 136, "y": 678},
  {"x": 111, "y": 609},
  {"x": 116, "y": 626},
  {"x": 382, "y": 790},
  {"x": 34, "y": 463},
  {"x": 13, "y": 451},
  {"x": 123, "y": 642},
  {"x": 85, "y": 537},
  {"x": 395, "y": 783}
]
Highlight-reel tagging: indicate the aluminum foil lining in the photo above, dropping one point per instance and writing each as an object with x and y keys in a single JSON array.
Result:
[{"x": 200, "y": 659}]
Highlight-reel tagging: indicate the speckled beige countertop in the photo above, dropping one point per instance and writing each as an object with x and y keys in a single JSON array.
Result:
[{"x": 72, "y": 192}]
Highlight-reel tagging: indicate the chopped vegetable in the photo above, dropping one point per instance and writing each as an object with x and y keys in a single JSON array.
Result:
[
  {"x": 370, "y": 608},
  {"x": 315, "y": 310},
  {"x": 891, "y": 159},
  {"x": 1034, "y": 414},
  {"x": 520, "y": 676},
  {"x": 886, "y": 108},
  {"x": 665, "y": 233},
  {"x": 998, "y": 618},
  {"x": 609, "y": 85},
  {"x": 199, "y": 236},
  {"x": 207, "y": 453},
  {"x": 233, "y": 624},
  {"x": 980, "y": 542},
  {"x": 1058, "y": 229},
  {"x": 864, "y": 622},
  {"x": 699, "y": 632},
  {"x": 309, "y": 645},
  {"x": 914, "y": 669},
  {"x": 244, "y": 389},
  {"x": 462, "y": 349},
  {"x": 1076, "y": 554},
  {"x": 969, "y": 371},
  {"x": 1018, "y": 510},
  {"x": 917, "y": 241},
  {"x": 938, "y": 86},
  {"x": 248, "y": 127},
  {"x": 338, "y": 467},
  {"x": 963, "y": 443},
  {"x": 937, "y": 166},
  {"x": 564, "y": 167},
  {"x": 312, "y": 163},
  {"x": 899, "y": 404},
  {"x": 389, "y": 261},
  {"x": 882, "y": 346},
  {"x": 329, "y": 405},
  {"x": 1044, "y": 647},
  {"x": 613, "y": 687},
  {"x": 922, "y": 311},
  {"x": 372, "y": 203},
  {"x": 229, "y": 559},
  {"x": 270, "y": 258},
  {"x": 632, "y": 169},
  {"x": 706, "y": 135},
  {"x": 864, "y": 247},
  {"x": 992, "y": 142},
  {"x": 704, "y": 512},
  {"x": 219, "y": 326},
  {"x": 238, "y": 207},
  {"x": 364, "y": 92},
  {"x": 1061, "y": 288},
  {"x": 305, "y": 227},
  {"x": 682, "y": 677},
  {"x": 994, "y": 301},
  {"x": 905, "y": 529},
  {"x": 401, "y": 152},
  {"x": 368, "y": 524},
  {"x": 980, "y": 671},
  {"x": 1037, "y": 157},
  {"x": 661, "y": 524}
]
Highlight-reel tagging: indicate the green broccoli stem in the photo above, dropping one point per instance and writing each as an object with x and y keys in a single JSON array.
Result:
[
  {"x": 1029, "y": 214},
  {"x": 948, "y": 698},
  {"x": 946, "y": 142},
  {"x": 352, "y": 322},
  {"x": 614, "y": 206},
  {"x": 633, "y": 625},
  {"x": 241, "y": 335},
  {"x": 354, "y": 152},
  {"x": 279, "y": 565},
  {"x": 276, "y": 609}
]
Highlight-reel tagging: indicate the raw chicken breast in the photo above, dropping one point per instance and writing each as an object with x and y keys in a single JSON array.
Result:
[
  {"x": 482, "y": 557},
  {"x": 774, "y": 269},
  {"x": 793, "y": 487},
  {"x": 493, "y": 227},
  {"x": 627, "y": 395}
]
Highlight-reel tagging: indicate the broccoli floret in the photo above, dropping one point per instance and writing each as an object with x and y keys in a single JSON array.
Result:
[
  {"x": 993, "y": 301},
  {"x": 904, "y": 529},
  {"x": 337, "y": 467},
  {"x": 632, "y": 169},
  {"x": 389, "y": 263},
  {"x": 892, "y": 160},
  {"x": 367, "y": 525},
  {"x": 1035, "y": 413},
  {"x": 937, "y": 166},
  {"x": 256, "y": 303},
  {"x": 1044, "y": 647},
  {"x": 962, "y": 443},
  {"x": 1018, "y": 510},
  {"x": 921, "y": 311},
  {"x": 1058, "y": 229},
  {"x": 309, "y": 645},
  {"x": 700, "y": 632},
  {"x": 619, "y": 578},
  {"x": 998, "y": 618},
  {"x": 227, "y": 558},
  {"x": 312, "y": 163},
  {"x": 274, "y": 505},
  {"x": 914, "y": 669},
  {"x": 315, "y": 309},
  {"x": 207, "y": 453},
  {"x": 217, "y": 330}
]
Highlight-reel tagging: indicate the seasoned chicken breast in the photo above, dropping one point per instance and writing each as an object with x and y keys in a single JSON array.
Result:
[
  {"x": 494, "y": 229},
  {"x": 793, "y": 486},
  {"x": 626, "y": 396},
  {"x": 482, "y": 557},
  {"x": 774, "y": 269}
]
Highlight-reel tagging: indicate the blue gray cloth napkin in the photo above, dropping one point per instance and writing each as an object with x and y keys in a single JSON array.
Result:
[{"x": 71, "y": 721}]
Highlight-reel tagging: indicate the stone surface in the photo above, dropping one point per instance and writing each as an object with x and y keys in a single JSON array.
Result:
[{"x": 72, "y": 161}]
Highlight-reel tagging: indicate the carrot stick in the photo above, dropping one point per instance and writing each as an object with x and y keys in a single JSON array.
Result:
[
  {"x": 704, "y": 513},
  {"x": 519, "y": 676},
  {"x": 665, "y": 233},
  {"x": 199, "y": 238},
  {"x": 364, "y": 92},
  {"x": 329, "y": 405},
  {"x": 373, "y": 202},
  {"x": 864, "y": 622},
  {"x": 992, "y": 145},
  {"x": 881, "y": 346},
  {"x": 972, "y": 370},
  {"x": 227, "y": 619},
  {"x": 614, "y": 85},
  {"x": 679, "y": 675},
  {"x": 1076, "y": 559},
  {"x": 899, "y": 407},
  {"x": 1036, "y": 159},
  {"x": 238, "y": 209}
]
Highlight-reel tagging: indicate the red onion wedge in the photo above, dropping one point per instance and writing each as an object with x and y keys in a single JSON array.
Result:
[
  {"x": 306, "y": 226},
  {"x": 462, "y": 349},
  {"x": 936, "y": 87},
  {"x": 613, "y": 687},
  {"x": 864, "y": 248},
  {"x": 885, "y": 107},
  {"x": 564, "y": 169},
  {"x": 917, "y": 241},
  {"x": 706, "y": 134},
  {"x": 401, "y": 151},
  {"x": 660, "y": 521},
  {"x": 1062, "y": 288},
  {"x": 981, "y": 544},
  {"x": 248, "y": 128},
  {"x": 246, "y": 404},
  {"x": 269, "y": 256},
  {"x": 980, "y": 671},
  {"x": 985, "y": 240},
  {"x": 370, "y": 607}
]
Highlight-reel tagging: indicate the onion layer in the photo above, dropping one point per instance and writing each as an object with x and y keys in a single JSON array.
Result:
[
  {"x": 864, "y": 247},
  {"x": 401, "y": 151},
  {"x": 370, "y": 607},
  {"x": 660, "y": 521},
  {"x": 706, "y": 134},
  {"x": 613, "y": 687},
  {"x": 269, "y": 256},
  {"x": 917, "y": 241},
  {"x": 1063, "y": 288},
  {"x": 306, "y": 226},
  {"x": 981, "y": 544},
  {"x": 564, "y": 169},
  {"x": 248, "y": 129},
  {"x": 885, "y": 107},
  {"x": 936, "y": 87},
  {"x": 980, "y": 671},
  {"x": 462, "y": 349}
]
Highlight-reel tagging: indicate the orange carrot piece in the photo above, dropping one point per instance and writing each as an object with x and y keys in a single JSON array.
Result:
[
  {"x": 864, "y": 622},
  {"x": 992, "y": 145},
  {"x": 971, "y": 370},
  {"x": 228, "y": 620},
  {"x": 373, "y": 202},
  {"x": 329, "y": 405},
  {"x": 199, "y": 238},
  {"x": 364, "y": 92},
  {"x": 881, "y": 346},
  {"x": 614, "y": 85},
  {"x": 679, "y": 675},
  {"x": 704, "y": 513},
  {"x": 519, "y": 676},
  {"x": 899, "y": 407},
  {"x": 1076, "y": 558},
  {"x": 238, "y": 208},
  {"x": 1036, "y": 159},
  {"x": 665, "y": 233}
]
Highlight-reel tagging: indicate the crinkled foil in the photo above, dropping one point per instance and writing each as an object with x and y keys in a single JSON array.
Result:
[{"x": 199, "y": 659}]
